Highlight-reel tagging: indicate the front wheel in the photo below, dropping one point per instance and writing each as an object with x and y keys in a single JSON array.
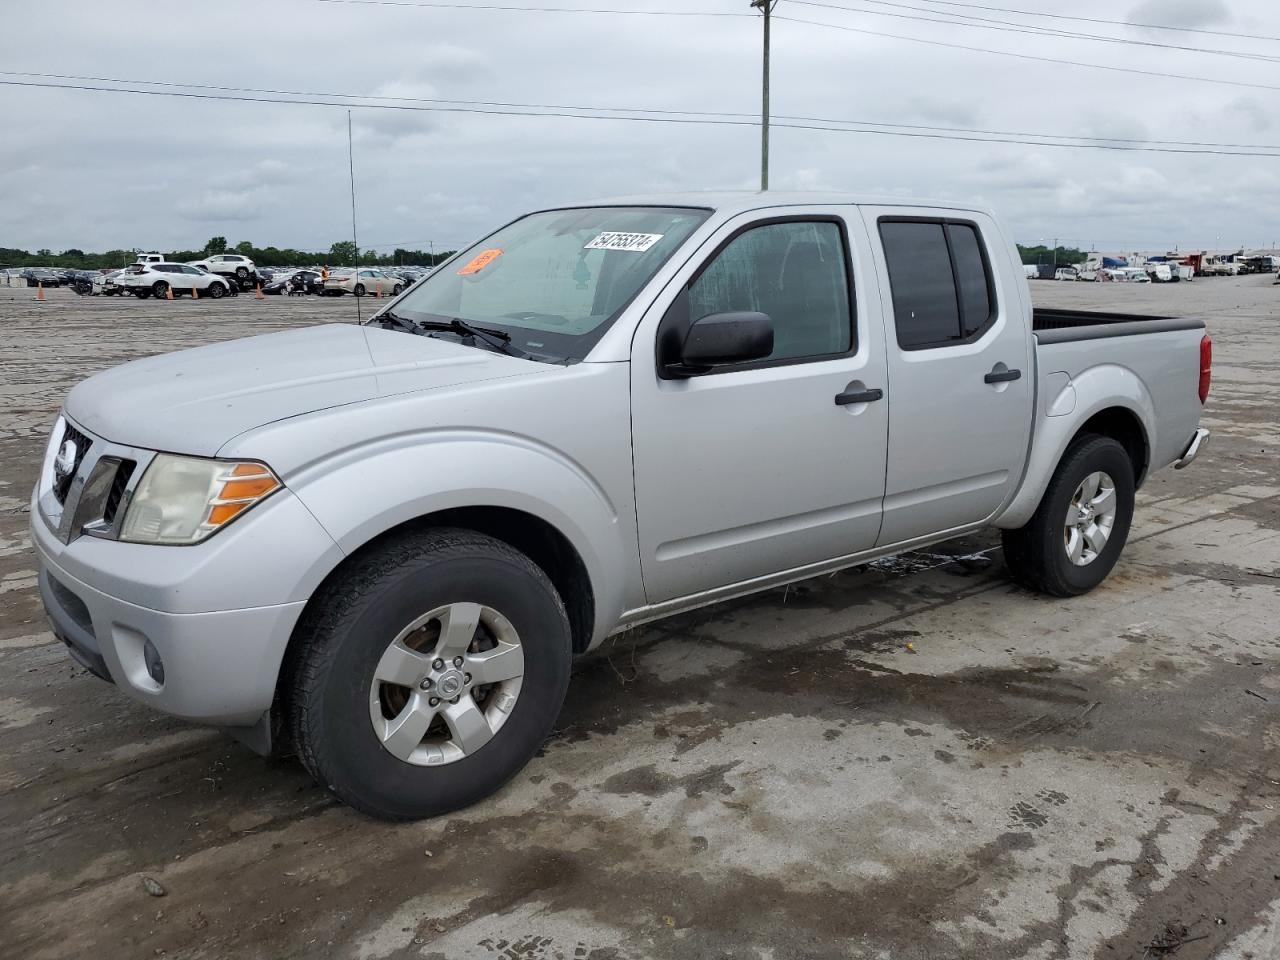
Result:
[
  {"x": 359, "y": 290},
  {"x": 1075, "y": 536},
  {"x": 395, "y": 291},
  {"x": 428, "y": 674},
  {"x": 242, "y": 274},
  {"x": 217, "y": 291}
]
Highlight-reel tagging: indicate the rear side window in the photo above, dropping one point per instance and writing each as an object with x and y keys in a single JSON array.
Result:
[{"x": 940, "y": 280}]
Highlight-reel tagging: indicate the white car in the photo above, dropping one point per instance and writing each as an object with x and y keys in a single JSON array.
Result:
[
  {"x": 108, "y": 284},
  {"x": 228, "y": 265},
  {"x": 157, "y": 279}
]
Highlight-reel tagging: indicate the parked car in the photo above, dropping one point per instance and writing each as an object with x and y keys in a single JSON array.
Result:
[
  {"x": 108, "y": 283},
  {"x": 39, "y": 277},
  {"x": 156, "y": 279},
  {"x": 229, "y": 265},
  {"x": 1158, "y": 272},
  {"x": 309, "y": 278},
  {"x": 364, "y": 281},
  {"x": 1065, "y": 273},
  {"x": 385, "y": 543},
  {"x": 1137, "y": 275},
  {"x": 151, "y": 258}
]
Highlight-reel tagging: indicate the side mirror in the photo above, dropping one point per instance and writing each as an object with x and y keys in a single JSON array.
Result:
[{"x": 720, "y": 339}]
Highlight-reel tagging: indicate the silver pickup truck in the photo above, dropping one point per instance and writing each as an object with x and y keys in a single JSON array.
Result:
[{"x": 381, "y": 545}]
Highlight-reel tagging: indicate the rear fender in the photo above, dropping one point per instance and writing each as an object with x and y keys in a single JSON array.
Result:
[{"x": 1100, "y": 388}]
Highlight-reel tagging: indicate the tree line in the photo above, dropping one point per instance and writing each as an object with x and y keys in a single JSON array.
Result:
[
  {"x": 1043, "y": 254},
  {"x": 340, "y": 254}
]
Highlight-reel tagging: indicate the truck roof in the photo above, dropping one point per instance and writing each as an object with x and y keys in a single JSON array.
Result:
[{"x": 740, "y": 201}]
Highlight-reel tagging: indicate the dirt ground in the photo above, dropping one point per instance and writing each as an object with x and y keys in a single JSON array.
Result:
[{"x": 778, "y": 777}]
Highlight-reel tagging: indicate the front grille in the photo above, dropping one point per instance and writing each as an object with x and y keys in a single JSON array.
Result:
[
  {"x": 61, "y": 480},
  {"x": 118, "y": 485}
]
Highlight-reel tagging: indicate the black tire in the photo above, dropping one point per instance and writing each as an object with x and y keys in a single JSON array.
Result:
[
  {"x": 359, "y": 290},
  {"x": 395, "y": 291},
  {"x": 217, "y": 290},
  {"x": 1036, "y": 554},
  {"x": 159, "y": 289},
  {"x": 242, "y": 274},
  {"x": 344, "y": 633}
]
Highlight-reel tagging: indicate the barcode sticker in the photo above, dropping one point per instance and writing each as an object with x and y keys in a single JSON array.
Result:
[{"x": 635, "y": 242}]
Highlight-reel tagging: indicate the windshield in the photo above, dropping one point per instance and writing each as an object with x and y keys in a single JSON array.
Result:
[{"x": 554, "y": 281}]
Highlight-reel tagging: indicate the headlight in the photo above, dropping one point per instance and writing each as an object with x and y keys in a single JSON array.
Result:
[{"x": 185, "y": 499}]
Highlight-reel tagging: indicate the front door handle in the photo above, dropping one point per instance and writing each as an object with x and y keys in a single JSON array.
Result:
[
  {"x": 858, "y": 396},
  {"x": 1002, "y": 376}
]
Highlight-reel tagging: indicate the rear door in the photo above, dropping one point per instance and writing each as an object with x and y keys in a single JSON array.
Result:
[{"x": 960, "y": 372}]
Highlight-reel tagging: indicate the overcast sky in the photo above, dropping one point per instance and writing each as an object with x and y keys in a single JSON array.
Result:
[{"x": 105, "y": 170}]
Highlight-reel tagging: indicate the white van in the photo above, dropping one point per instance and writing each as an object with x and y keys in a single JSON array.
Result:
[{"x": 1065, "y": 273}]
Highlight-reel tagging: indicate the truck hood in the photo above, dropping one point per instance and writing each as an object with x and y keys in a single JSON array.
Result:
[{"x": 194, "y": 401}]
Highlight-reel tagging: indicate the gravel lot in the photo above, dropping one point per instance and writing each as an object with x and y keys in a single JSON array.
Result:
[{"x": 777, "y": 777}]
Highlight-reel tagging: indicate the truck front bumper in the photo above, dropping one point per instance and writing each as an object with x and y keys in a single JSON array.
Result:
[
  {"x": 1198, "y": 443},
  {"x": 205, "y": 658}
]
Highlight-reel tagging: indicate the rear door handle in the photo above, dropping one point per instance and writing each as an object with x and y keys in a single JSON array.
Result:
[
  {"x": 1002, "y": 376},
  {"x": 859, "y": 396}
]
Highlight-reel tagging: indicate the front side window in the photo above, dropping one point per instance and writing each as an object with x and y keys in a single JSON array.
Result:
[
  {"x": 940, "y": 280},
  {"x": 556, "y": 280},
  {"x": 796, "y": 273}
]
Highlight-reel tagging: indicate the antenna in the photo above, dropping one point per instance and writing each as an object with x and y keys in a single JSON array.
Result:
[{"x": 351, "y": 166}]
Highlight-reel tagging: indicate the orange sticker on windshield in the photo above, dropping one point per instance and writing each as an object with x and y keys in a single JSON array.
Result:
[{"x": 480, "y": 261}]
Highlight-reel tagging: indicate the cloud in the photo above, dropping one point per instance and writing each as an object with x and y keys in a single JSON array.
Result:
[
  {"x": 100, "y": 170},
  {"x": 1181, "y": 13}
]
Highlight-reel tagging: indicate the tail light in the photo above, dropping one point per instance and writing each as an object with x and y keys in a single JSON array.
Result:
[{"x": 1206, "y": 366}]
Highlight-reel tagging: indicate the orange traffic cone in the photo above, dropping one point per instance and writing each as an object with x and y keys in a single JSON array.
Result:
[
  {"x": 39, "y": 290},
  {"x": 168, "y": 292},
  {"x": 259, "y": 295},
  {"x": 378, "y": 292},
  {"x": 195, "y": 294}
]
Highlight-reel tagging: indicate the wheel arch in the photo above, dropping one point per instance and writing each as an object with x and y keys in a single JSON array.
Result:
[{"x": 1125, "y": 417}]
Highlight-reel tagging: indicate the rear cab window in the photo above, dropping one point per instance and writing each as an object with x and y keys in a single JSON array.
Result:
[{"x": 940, "y": 279}]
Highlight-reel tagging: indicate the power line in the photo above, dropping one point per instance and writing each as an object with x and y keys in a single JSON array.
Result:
[
  {"x": 1005, "y": 26},
  {"x": 1113, "y": 23},
  {"x": 633, "y": 110},
  {"x": 634, "y": 119},
  {"x": 1028, "y": 56},
  {"x": 511, "y": 8}
]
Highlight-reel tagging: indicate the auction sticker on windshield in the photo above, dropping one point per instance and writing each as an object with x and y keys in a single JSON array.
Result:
[
  {"x": 480, "y": 261},
  {"x": 636, "y": 242}
]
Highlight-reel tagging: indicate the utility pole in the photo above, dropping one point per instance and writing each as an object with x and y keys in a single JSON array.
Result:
[
  {"x": 1055, "y": 254},
  {"x": 765, "y": 7}
]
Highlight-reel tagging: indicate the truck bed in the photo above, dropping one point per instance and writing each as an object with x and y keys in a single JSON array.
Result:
[{"x": 1062, "y": 326}]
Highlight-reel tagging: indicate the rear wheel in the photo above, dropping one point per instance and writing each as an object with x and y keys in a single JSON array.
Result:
[
  {"x": 429, "y": 674},
  {"x": 142, "y": 293},
  {"x": 160, "y": 289},
  {"x": 359, "y": 290},
  {"x": 1075, "y": 536},
  {"x": 242, "y": 274},
  {"x": 395, "y": 291}
]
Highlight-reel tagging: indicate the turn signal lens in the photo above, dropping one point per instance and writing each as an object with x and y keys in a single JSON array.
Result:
[{"x": 182, "y": 500}]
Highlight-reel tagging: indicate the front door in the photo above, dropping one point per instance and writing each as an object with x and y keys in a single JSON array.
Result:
[
  {"x": 961, "y": 367},
  {"x": 748, "y": 471}
]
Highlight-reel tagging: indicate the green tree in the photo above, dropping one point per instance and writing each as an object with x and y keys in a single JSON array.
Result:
[
  {"x": 216, "y": 245},
  {"x": 342, "y": 254}
]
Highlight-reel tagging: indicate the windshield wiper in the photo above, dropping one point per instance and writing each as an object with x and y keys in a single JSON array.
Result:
[
  {"x": 387, "y": 319},
  {"x": 499, "y": 340}
]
